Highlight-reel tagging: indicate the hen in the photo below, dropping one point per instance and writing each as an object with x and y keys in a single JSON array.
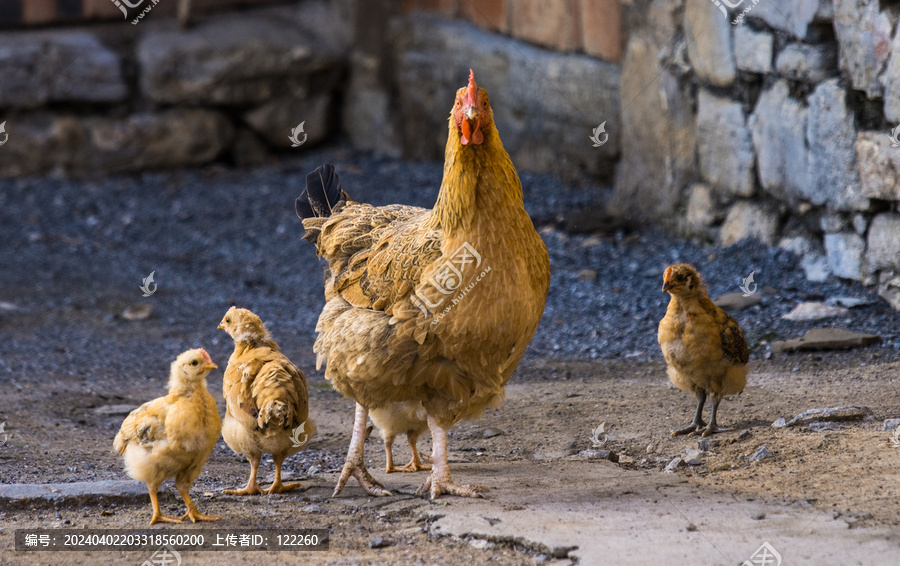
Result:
[
  {"x": 703, "y": 346},
  {"x": 435, "y": 306},
  {"x": 173, "y": 436},
  {"x": 266, "y": 400},
  {"x": 407, "y": 418}
]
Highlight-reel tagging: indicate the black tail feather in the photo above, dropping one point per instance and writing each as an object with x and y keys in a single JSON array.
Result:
[{"x": 323, "y": 192}]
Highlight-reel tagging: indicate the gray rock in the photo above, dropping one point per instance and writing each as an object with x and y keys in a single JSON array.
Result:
[
  {"x": 891, "y": 81},
  {"x": 843, "y": 413},
  {"x": 709, "y": 45},
  {"x": 831, "y": 131},
  {"x": 889, "y": 287},
  {"x": 753, "y": 50},
  {"x": 275, "y": 120},
  {"x": 864, "y": 38},
  {"x": 692, "y": 456},
  {"x": 827, "y": 339},
  {"x": 821, "y": 427},
  {"x": 807, "y": 63},
  {"x": 860, "y": 223},
  {"x": 491, "y": 432},
  {"x": 587, "y": 275},
  {"x": 733, "y": 302},
  {"x": 77, "y": 493},
  {"x": 724, "y": 145},
  {"x": 675, "y": 465},
  {"x": 57, "y": 66},
  {"x": 792, "y": 17},
  {"x": 138, "y": 311},
  {"x": 658, "y": 148},
  {"x": 845, "y": 254},
  {"x": 814, "y": 311},
  {"x": 256, "y": 56},
  {"x": 847, "y": 302},
  {"x": 744, "y": 434},
  {"x": 890, "y": 424},
  {"x": 780, "y": 422},
  {"x": 832, "y": 223},
  {"x": 778, "y": 126},
  {"x": 761, "y": 454},
  {"x": 884, "y": 242},
  {"x": 816, "y": 267},
  {"x": 879, "y": 165},
  {"x": 748, "y": 220},
  {"x": 114, "y": 410},
  {"x": 172, "y": 138},
  {"x": 541, "y": 98},
  {"x": 368, "y": 109},
  {"x": 248, "y": 150},
  {"x": 380, "y": 543},
  {"x": 702, "y": 210}
]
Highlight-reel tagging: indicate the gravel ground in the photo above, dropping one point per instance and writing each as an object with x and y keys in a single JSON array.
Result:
[{"x": 219, "y": 236}]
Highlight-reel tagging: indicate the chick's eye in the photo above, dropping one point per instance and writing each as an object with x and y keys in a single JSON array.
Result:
[
  {"x": 194, "y": 362},
  {"x": 228, "y": 320}
]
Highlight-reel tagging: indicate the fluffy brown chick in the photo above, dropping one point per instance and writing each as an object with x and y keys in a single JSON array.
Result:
[
  {"x": 173, "y": 436},
  {"x": 266, "y": 400},
  {"x": 405, "y": 417},
  {"x": 703, "y": 346}
]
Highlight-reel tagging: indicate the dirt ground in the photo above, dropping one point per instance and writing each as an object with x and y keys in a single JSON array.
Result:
[{"x": 550, "y": 411}]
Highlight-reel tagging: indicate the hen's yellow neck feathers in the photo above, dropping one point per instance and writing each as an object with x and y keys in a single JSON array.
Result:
[{"x": 476, "y": 178}]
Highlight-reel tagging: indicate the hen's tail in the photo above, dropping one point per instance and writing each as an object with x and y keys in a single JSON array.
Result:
[{"x": 322, "y": 196}]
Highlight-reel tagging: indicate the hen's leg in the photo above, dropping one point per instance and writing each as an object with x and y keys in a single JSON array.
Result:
[
  {"x": 277, "y": 486},
  {"x": 355, "y": 465},
  {"x": 158, "y": 517},
  {"x": 713, "y": 428},
  {"x": 415, "y": 464},
  {"x": 184, "y": 488},
  {"x": 697, "y": 423},
  {"x": 439, "y": 481},
  {"x": 252, "y": 487}
]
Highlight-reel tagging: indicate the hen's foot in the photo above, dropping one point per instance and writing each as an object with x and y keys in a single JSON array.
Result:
[
  {"x": 278, "y": 487},
  {"x": 365, "y": 479},
  {"x": 692, "y": 428},
  {"x": 436, "y": 488},
  {"x": 160, "y": 518},
  {"x": 249, "y": 489}
]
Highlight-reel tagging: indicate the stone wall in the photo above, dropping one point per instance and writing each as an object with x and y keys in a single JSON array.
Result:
[{"x": 774, "y": 125}]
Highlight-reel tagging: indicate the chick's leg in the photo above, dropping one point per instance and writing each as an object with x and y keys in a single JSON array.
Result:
[
  {"x": 439, "y": 481},
  {"x": 277, "y": 486},
  {"x": 713, "y": 428},
  {"x": 415, "y": 464},
  {"x": 697, "y": 423},
  {"x": 355, "y": 465},
  {"x": 158, "y": 517},
  {"x": 389, "y": 453},
  {"x": 252, "y": 487},
  {"x": 184, "y": 488}
]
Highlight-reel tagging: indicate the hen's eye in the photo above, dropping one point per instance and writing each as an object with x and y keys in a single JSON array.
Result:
[
  {"x": 484, "y": 103},
  {"x": 195, "y": 362}
]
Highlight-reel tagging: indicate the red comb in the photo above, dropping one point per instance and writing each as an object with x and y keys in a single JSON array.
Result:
[
  {"x": 232, "y": 308},
  {"x": 472, "y": 89},
  {"x": 206, "y": 356}
]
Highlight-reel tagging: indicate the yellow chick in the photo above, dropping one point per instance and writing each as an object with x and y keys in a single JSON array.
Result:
[
  {"x": 405, "y": 417},
  {"x": 266, "y": 400},
  {"x": 173, "y": 436}
]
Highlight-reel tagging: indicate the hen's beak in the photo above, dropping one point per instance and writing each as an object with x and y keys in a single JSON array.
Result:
[
  {"x": 472, "y": 113},
  {"x": 471, "y": 126}
]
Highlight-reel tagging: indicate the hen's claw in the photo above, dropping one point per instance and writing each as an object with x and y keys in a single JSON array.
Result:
[
  {"x": 437, "y": 488},
  {"x": 411, "y": 467},
  {"x": 690, "y": 429},
  {"x": 712, "y": 429},
  {"x": 249, "y": 489},
  {"x": 365, "y": 479}
]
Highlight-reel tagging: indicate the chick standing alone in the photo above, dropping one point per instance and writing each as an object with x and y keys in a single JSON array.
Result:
[
  {"x": 703, "y": 346},
  {"x": 173, "y": 436},
  {"x": 266, "y": 400}
]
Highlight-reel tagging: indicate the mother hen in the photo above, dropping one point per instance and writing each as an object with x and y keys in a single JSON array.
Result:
[{"x": 436, "y": 306}]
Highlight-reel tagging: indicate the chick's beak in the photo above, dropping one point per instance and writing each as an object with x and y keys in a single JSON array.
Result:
[
  {"x": 666, "y": 286},
  {"x": 221, "y": 326},
  {"x": 210, "y": 366}
]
